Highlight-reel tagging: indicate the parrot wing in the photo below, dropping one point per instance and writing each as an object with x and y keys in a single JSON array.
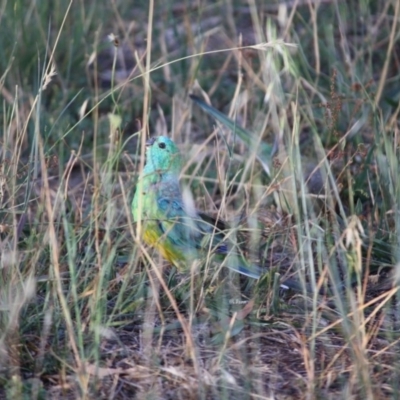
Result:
[
  {"x": 199, "y": 232},
  {"x": 194, "y": 231}
]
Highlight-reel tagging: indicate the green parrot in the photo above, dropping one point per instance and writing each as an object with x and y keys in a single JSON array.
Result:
[{"x": 180, "y": 233}]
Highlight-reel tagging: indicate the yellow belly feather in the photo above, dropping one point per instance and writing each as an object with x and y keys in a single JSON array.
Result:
[{"x": 152, "y": 237}]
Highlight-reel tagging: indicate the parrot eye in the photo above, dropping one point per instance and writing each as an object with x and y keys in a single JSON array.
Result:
[{"x": 161, "y": 145}]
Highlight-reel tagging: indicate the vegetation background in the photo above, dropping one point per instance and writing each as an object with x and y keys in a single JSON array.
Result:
[{"x": 87, "y": 311}]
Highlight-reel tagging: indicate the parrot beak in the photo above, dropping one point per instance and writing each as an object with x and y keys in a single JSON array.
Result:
[{"x": 150, "y": 142}]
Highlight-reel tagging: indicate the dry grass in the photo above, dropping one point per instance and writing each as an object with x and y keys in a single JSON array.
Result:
[{"x": 87, "y": 310}]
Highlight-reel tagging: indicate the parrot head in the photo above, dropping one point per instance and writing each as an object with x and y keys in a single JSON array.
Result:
[{"x": 163, "y": 154}]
